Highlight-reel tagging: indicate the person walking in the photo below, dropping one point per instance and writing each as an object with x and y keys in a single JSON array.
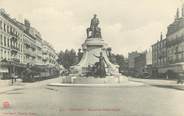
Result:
[{"x": 180, "y": 78}]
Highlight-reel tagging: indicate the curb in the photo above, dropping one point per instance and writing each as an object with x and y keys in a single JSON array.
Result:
[
  {"x": 174, "y": 86},
  {"x": 12, "y": 88},
  {"x": 130, "y": 84},
  {"x": 24, "y": 86}
]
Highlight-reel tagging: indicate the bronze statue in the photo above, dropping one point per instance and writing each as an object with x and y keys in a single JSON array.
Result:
[
  {"x": 94, "y": 29},
  {"x": 101, "y": 65}
]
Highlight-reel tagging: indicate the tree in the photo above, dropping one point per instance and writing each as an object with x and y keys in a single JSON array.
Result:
[
  {"x": 113, "y": 59},
  {"x": 60, "y": 57},
  {"x": 72, "y": 57},
  {"x": 118, "y": 59},
  {"x": 67, "y": 58},
  {"x": 123, "y": 62}
]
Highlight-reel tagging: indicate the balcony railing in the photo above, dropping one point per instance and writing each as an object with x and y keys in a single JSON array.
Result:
[
  {"x": 179, "y": 52},
  {"x": 15, "y": 49},
  {"x": 13, "y": 34},
  {"x": 29, "y": 52},
  {"x": 15, "y": 59}
]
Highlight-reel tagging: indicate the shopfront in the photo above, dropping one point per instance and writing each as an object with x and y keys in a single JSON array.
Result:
[
  {"x": 7, "y": 68},
  {"x": 3, "y": 71}
]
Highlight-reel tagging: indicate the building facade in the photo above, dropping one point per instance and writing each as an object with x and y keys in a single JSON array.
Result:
[
  {"x": 22, "y": 45},
  {"x": 168, "y": 54},
  {"x": 131, "y": 59},
  {"x": 159, "y": 54},
  {"x": 143, "y": 62},
  {"x": 140, "y": 63},
  {"x": 49, "y": 55}
]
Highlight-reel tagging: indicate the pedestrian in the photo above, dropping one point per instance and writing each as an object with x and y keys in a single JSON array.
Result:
[
  {"x": 180, "y": 78},
  {"x": 12, "y": 77},
  {"x": 167, "y": 77}
]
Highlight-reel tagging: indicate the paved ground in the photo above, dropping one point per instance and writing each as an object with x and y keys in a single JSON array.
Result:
[
  {"x": 38, "y": 99},
  {"x": 170, "y": 84},
  {"x": 153, "y": 81},
  {"x": 6, "y": 85}
]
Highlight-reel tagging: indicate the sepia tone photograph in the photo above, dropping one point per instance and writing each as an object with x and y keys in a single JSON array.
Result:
[{"x": 91, "y": 57}]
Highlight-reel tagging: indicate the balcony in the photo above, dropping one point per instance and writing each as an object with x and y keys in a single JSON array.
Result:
[
  {"x": 13, "y": 34},
  {"x": 14, "y": 49},
  {"x": 39, "y": 54},
  {"x": 28, "y": 61},
  {"x": 179, "y": 52},
  {"x": 15, "y": 60},
  {"x": 29, "y": 52}
]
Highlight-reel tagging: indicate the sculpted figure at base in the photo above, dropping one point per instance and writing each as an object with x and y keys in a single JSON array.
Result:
[
  {"x": 94, "y": 31},
  {"x": 100, "y": 66}
]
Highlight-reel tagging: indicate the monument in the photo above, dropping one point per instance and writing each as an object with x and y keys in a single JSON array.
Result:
[{"x": 95, "y": 61}]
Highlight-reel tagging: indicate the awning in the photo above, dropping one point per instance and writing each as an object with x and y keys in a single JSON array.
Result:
[
  {"x": 173, "y": 67},
  {"x": 10, "y": 63},
  {"x": 3, "y": 70}
]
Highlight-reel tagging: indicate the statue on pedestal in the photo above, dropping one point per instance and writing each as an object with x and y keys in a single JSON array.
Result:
[
  {"x": 94, "y": 29},
  {"x": 94, "y": 61}
]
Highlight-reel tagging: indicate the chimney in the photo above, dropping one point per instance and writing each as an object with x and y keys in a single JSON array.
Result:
[
  {"x": 182, "y": 10},
  {"x": 177, "y": 14},
  {"x": 161, "y": 36},
  {"x": 27, "y": 25}
]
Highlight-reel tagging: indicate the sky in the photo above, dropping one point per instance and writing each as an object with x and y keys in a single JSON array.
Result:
[{"x": 127, "y": 25}]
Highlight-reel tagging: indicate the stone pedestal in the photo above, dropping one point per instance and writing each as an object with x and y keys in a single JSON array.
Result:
[{"x": 93, "y": 47}]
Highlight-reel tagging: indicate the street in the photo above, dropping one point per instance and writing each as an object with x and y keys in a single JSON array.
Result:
[{"x": 42, "y": 100}]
